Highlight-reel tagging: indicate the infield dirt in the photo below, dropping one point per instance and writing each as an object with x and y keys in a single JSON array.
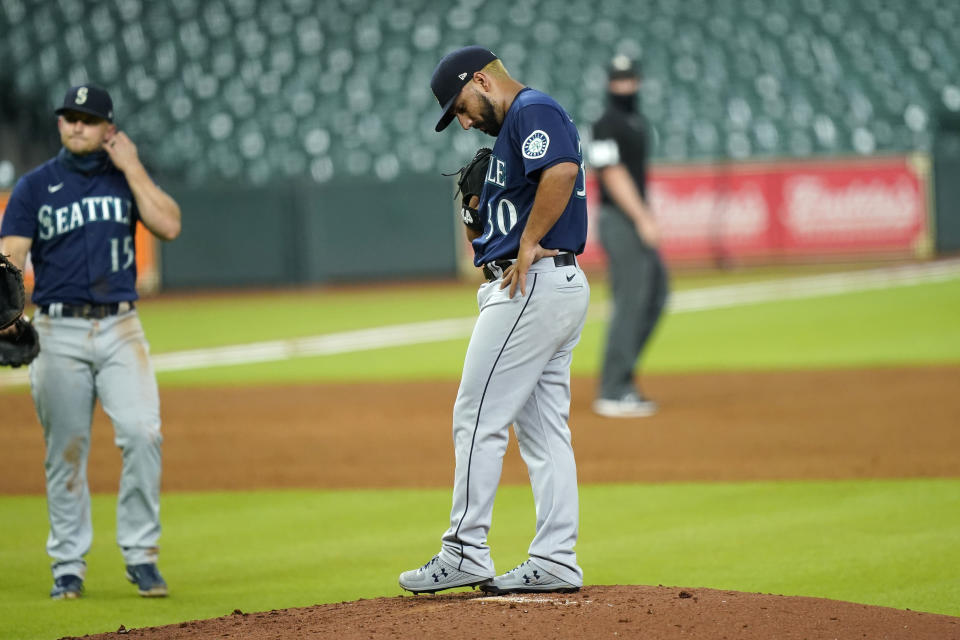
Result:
[
  {"x": 893, "y": 423},
  {"x": 887, "y": 423}
]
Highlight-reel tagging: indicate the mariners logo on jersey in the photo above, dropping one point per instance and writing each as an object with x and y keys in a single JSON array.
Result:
[{"x": 536, "y": 145}]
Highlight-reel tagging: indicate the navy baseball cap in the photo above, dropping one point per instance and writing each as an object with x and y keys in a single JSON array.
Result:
[
  {"x": 453, "y": 72},
  {"x": 88, "y": 98}
]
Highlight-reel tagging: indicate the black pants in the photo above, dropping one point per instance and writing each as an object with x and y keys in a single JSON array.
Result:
[{"x": 638, "y": 279}]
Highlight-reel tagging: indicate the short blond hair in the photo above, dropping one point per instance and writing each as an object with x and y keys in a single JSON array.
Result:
[{"x": 496, "y": 69}]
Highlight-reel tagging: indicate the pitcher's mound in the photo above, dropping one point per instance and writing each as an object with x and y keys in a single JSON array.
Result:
[{"x": 651, "y": 613}]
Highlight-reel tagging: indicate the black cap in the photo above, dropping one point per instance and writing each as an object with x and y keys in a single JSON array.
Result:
[
  {"x": 88, "y": 98},
  {"x": 454, "y": 71},
  {"x": 623, "y": 67}
]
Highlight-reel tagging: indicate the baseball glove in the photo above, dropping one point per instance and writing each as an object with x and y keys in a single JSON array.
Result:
[
  {"x": 12, "y": 296},
  {"x": 20, "y": 346},
  {"x": 471, "y": 180}
]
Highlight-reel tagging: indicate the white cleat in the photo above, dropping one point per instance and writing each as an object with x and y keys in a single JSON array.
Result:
[
  {"x": 527, "y": 578},
  {"x": 437, "y": 575},
  {"x": 631, "y": 405}
]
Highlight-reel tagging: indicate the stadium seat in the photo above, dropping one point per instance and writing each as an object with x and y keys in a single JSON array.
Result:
[{"x": 341, "y": 88}]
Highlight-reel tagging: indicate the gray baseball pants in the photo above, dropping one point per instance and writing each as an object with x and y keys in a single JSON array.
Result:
[
  {"x": 80, "y": 361},
  {"x": 517, "y": 371}
]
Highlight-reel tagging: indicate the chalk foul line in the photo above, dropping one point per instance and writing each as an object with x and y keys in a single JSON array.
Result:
[{"x": 455, "y": 328}]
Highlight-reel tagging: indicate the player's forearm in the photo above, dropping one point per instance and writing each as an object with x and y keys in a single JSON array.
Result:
[
  {"x": 623, "y": 190},
  {"x": 553, "y": 194},
  {"x": 16, "y": 249},
  {"x": 159, "y": 212}
]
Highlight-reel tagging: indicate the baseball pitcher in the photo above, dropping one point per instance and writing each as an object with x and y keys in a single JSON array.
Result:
[{"x": 526, "y": 216}]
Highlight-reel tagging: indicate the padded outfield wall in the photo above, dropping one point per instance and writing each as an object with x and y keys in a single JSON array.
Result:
[{"x": 353, "y": 230}]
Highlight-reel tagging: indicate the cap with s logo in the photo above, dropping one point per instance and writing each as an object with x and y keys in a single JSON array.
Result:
[
  {"x": 88, "y": 98},
  {"x": 453, "y": 72}
]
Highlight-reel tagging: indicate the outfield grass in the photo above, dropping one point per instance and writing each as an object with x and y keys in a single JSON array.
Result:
[
  {"x": 232, "y": 318},
  {"x": 900, "y": 326},
  {"x": 910, "y": 325},
  {"x": 889, "y": 543}
]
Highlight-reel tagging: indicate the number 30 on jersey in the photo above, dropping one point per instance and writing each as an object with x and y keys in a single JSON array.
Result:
[{"x": 503, "y": 219}]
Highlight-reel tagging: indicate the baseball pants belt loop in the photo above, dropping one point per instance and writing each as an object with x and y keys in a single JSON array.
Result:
[
  {"x": 494, "y": 270},
  {"x": 87, "y": 311}
]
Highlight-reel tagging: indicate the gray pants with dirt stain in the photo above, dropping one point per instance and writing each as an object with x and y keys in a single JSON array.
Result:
[
  {"x": 80, "y": 361},
  {"x": 638, "y": 280}
]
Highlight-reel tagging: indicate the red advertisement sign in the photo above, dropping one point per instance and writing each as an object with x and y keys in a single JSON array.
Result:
[{"x": 785, "y": 209}]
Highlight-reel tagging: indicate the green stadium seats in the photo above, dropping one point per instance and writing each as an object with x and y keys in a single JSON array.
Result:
[{"x": 261, "y": 90}]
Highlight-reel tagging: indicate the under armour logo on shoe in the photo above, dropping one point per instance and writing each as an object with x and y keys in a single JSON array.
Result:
[
  {"x": 443, "y": 572},
  {"x": 527, "y": 580}
]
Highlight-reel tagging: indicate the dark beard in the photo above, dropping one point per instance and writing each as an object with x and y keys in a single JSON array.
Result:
[{"x": 488, "y": 122}]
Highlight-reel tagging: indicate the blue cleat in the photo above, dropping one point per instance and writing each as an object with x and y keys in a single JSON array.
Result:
[
  {"x": 150, "y": 583},
  {"x": 67, "y": 587}
]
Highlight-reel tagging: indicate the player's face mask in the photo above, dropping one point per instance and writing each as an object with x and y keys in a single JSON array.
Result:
[{"x": 624, "y": 101}]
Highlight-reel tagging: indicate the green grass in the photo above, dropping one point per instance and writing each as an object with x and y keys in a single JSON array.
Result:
[
  {"x": 174, "y": 323},
  {"x": 910, "y": 325},
  {"x": 891, "y": 543},
  {"x": 899, "y": 326},
  {"x": 194, "y": 321}
]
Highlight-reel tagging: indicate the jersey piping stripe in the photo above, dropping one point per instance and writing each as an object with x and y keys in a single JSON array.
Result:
[{"x": 476, "y": 426}]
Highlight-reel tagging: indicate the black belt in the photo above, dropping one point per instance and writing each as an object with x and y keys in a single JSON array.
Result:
[
  {"x": 88, "y": 311},
  {"x": 562, "y": 260}
]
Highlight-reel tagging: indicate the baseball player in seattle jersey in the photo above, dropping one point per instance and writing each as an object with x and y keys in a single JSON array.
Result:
[
  {"x": 533, "y": 222},
  {"x": 76, "y": 215}
]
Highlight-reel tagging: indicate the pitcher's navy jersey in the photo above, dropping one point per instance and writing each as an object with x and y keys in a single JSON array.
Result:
[
  {"x": 83, "y": 230},
  {"x": 536, "y": 134}
]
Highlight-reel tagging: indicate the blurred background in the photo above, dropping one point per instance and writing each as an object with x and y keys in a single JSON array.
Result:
[{"x": 302, "y": 130}]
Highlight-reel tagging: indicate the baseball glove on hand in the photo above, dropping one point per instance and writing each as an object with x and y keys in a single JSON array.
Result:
[
  {"x": 471, "y": 182},
  {"x": 19, "y": 346},
  {"x": 12, "y": 296}
]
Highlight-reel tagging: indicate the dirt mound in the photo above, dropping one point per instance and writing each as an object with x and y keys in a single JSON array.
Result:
[{"x": 652, "y": 613}]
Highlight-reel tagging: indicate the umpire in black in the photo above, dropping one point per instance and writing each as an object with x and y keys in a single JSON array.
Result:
[{"x": 629, "y": 235}]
